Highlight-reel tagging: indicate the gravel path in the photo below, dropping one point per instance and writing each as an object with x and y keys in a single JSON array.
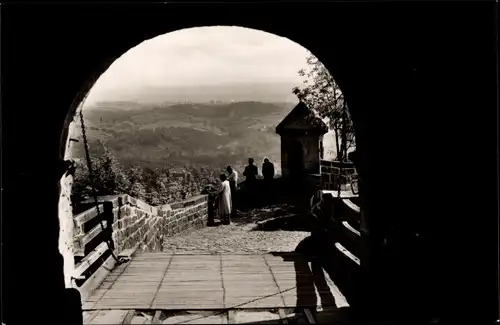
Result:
[{"x": 273, "y": 229}]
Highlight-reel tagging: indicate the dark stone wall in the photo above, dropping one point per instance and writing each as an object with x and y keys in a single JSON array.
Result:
[{"x": 335, "y": 172}]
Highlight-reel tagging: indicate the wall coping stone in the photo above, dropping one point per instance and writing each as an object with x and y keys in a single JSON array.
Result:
[
  {"x": 189, "y": 202},
  {"x": 131, "y": 201}
]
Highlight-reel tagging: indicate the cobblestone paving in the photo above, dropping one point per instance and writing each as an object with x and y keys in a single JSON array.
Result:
[{"x": 245, "y": 234}]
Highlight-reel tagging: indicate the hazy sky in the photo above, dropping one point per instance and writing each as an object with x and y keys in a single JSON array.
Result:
[{"x": 203, "y": 56}]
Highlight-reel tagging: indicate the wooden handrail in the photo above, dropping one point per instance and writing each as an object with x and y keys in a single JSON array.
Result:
[
  {"x": 351, "y": 205},
  {"x": 88, "y": 260},
  {"x": 350, "y": 228},
  {"x": 86, "y": 238},
  {"x": 350, "y": 255},
  {"x": 82, "y": 240},
  {"x": 87, "y": 215}
]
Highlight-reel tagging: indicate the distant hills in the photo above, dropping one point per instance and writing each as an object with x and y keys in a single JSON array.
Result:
[
  {"x": 156, "y": 134},
  {"x": 238, "y": 92}
]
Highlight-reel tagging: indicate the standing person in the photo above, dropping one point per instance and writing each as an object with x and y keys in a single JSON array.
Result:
[
  {"x": 224, "y": 202},
  {"x": 233, "y": 181},
  {"x": 268, "y": 170},
  {"x": 250, "y": 174},
  {"x": 268, "y": 173}
]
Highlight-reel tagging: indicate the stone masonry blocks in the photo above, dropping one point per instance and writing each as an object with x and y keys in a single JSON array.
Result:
[{"x": 136, "y": 222}]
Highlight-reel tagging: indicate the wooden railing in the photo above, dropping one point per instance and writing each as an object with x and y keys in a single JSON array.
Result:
[
  {"x": 349, "y": 233},
  {"x": 341, "y": 217},
  {"x": 92, "y": 246},
  {"x": 87, "y": 227},
  {"x": 115, "y": 228}
]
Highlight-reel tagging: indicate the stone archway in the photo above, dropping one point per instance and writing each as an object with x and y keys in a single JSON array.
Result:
[{"x": 296, "y": 166}]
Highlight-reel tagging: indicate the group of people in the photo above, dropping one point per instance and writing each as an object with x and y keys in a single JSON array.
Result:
[{"x": 227, "y": 205}]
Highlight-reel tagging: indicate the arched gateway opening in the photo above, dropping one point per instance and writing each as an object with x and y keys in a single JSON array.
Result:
[
  {"x": 380, "y": 73},
  {"x": 110, "y": 216}
]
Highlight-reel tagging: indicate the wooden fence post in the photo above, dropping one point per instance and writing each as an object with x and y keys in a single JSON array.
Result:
[{"x": 109, "y": 217}]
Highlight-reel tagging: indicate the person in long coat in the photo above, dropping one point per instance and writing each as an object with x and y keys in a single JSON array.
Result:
[
  {"x": 224, "y": 204},
  {"x": 268, "y": 173},
  {"x": 251, "y": 171},
  {"x": 268, "y": 170},
  {"x": 233, "y": 181}
]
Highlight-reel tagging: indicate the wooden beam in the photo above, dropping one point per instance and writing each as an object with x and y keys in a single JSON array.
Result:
[
  {"x": 350, "y": 228},
  {"x": 81, "y": 218},
  {"x": 343, "y": 194},
  {"x": 309, "y": 316},
  {"x": 82, "y": 241},
  {"x": 351, "y": 205},
  {"x": 89, "y": 315},
  {"x": 282, "y": 314},
  {"x": 230, "y": 316},
  {"x": 340, "y": 299},
  {"x": 156, "y": 317},
  {"x": 88, "y": 260},
  {"x": 128, "y": 317},
  {"x": 95, "y": 280},
  {"x": 350, "y": 255},
  {"x": 114, "y": 316}
]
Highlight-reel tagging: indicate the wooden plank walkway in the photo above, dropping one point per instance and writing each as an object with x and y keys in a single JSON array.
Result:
[{"x": 160, "y": 281}]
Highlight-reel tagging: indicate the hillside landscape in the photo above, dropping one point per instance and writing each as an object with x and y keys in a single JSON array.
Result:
[{"x": 153, "y": 135}]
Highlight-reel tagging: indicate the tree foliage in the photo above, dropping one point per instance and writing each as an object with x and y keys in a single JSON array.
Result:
[
  {"x": 108, "y": 177},
  {"x": 154, "y": 186},
  {"x": 321, "y": 94}
]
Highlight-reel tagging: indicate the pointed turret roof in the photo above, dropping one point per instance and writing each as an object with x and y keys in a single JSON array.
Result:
[{"x": 301, "y": 118}]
